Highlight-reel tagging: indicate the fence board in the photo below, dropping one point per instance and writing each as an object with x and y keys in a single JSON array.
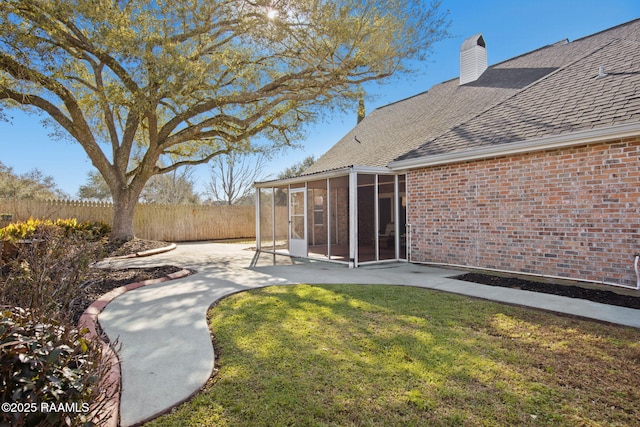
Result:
[{"x": 174, "y": 223}]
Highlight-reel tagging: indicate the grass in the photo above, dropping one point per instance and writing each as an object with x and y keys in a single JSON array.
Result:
[{"x": 354, "y": 355}]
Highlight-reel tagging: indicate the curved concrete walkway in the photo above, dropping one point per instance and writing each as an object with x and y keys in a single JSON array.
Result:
[{"x": 166, "y": 352}]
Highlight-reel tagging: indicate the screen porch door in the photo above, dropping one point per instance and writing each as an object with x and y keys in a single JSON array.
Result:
[{"x": 298, "y": 222}]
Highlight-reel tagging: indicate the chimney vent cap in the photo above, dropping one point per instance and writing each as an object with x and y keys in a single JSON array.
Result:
[{"x": 473, "y": 41}]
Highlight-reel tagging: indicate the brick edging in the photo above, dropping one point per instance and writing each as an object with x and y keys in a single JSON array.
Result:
[{"x": 89, "y": 320}]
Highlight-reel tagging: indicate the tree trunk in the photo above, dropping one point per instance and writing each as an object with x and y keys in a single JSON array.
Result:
[{"x": 123, "y": 208}]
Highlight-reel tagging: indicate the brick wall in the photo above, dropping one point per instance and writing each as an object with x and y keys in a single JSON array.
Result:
[{"x": 571, "y": 212}]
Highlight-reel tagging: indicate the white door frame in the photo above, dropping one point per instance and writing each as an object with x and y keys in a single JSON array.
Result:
[{"x": 298, "y": 245}]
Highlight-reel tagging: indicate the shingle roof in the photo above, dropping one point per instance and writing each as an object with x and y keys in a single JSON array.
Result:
[
  {"x": 549, "y": 91},
  {"x": 573, "y": 98}
]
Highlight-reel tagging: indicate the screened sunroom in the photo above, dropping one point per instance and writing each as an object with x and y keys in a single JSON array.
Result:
[{"x": 350, "y": 215}]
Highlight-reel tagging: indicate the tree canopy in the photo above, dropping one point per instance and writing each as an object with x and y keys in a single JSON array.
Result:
[
  {"x": 174, "y": 188},
  {"x": 298, "y": 168},
  {"x": 138, "y": 81},
  {"x": 30, "y": 185},
  {"x": 95, "y": 188}
]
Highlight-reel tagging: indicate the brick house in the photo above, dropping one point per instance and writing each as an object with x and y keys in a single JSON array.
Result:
[{"x": 531, "y": 165}]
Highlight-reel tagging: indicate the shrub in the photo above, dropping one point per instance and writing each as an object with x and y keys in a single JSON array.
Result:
[
  {"x": 91, "y": 230},
  {"x": 19, "y": 230},
  {"x": 43, "y": 363},
  {"x": 47, "y": 274}
]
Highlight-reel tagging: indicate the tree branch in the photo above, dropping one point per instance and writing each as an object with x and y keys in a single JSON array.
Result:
[
  {"x": 83, "y": 43},
  {"x": 76, "y": 124},
  {"x": 42, "y": 104},
  {"x": 193, "y": 162}
]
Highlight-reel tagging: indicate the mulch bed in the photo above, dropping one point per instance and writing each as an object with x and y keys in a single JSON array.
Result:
[
  {"x": 100, "y": 281},
  {"x": 572, "y": 291},
  {"x": 130, "y": 247}
]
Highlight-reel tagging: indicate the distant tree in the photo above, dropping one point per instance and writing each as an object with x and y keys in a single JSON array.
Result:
[
  {"x": 171, "y": 189},
  {"x": 134, "y": 81},
  {"x": 233, "y": 175},
  {"x": 298, "y": 168},
  {"x": 95, "y": 188},
  {"x": 31, "y": 185}
]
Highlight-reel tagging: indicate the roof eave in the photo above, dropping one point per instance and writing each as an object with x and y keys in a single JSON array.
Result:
[
  {"x": 302, "y": 178},
  {"x": 323, "y": 175},
  {"x": 525, "y": 146}
]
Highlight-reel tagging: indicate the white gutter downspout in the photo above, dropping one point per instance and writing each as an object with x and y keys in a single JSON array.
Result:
[
  {"x": 635, "y": 265},
  {"x": 409, "y": 232},
  {"x": 258, "y": 238}
]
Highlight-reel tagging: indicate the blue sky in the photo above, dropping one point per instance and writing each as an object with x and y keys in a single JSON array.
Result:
[{"x": 509, "y": 27}]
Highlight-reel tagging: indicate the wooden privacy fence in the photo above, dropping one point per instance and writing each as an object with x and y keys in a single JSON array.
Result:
[{"x": 174, "y": 223}]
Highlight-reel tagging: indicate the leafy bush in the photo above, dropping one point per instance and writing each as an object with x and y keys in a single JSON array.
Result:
[
  {"x": 43, "y": 363},
  {"x": 47, "y": 275},
  {"x": 20, "y": 230},
  {"x": 87, "y": 229},
  {"x": 92, "y": 230}
]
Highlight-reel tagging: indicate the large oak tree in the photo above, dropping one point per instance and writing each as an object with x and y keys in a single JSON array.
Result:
[{"x": 140, "y": 81}]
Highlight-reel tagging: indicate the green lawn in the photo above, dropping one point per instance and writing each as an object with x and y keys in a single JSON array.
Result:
[{"x": 354, "y": 355}]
